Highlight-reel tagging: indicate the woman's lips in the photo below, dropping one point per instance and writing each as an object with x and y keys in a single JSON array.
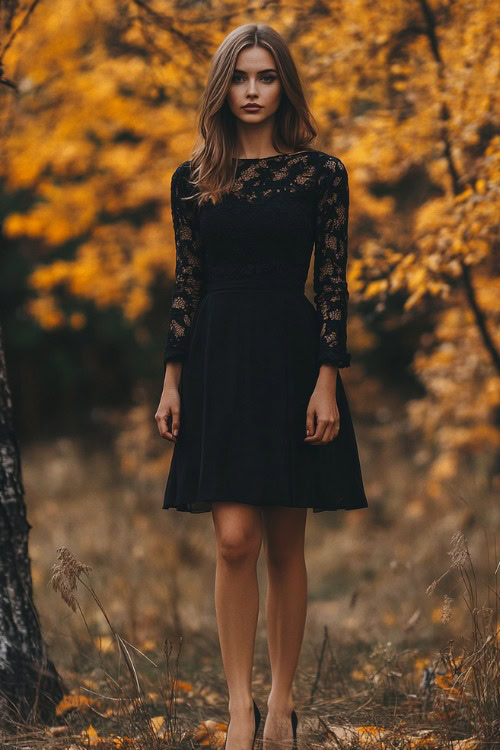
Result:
[{"x": 252, "y": 108}]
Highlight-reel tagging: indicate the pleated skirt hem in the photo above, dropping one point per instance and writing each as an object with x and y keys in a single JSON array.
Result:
[{"x": 205, "y": 506}]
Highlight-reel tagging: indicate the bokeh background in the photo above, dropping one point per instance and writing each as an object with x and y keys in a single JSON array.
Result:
[{"x": 407, "y": 95}]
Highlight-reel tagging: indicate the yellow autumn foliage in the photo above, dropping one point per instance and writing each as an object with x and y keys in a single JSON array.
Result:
[{"x": 105, "y": 113}]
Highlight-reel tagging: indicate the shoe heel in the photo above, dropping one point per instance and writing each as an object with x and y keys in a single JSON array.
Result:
[
  {"x": 295, "y": 721},
  {"x": 256, "y": 713}
]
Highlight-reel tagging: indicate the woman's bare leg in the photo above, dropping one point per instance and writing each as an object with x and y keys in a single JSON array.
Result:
[
  {"x": 286, "y": 611},
  {"x": 238, "y": 530}
]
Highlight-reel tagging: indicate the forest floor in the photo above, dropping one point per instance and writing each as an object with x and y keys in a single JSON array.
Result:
[{"x": 401, "y": 650}]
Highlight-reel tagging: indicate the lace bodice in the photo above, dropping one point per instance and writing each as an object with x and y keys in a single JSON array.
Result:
[{"x": 278, "y": 208}]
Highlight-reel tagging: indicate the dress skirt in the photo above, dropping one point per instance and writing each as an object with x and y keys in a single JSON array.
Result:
[{"x": 244, "y": 391}]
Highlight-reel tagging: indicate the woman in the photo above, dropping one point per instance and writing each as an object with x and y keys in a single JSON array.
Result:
[{"x": 253, "y": 399}]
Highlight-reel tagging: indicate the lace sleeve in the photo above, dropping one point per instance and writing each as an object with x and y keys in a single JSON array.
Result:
[
  {"x": 189, "y": 272},
  {"x": 330, "y": 263}
]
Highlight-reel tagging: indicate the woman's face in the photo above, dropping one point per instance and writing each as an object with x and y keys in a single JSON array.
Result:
[{"x": 255, "y": 81}]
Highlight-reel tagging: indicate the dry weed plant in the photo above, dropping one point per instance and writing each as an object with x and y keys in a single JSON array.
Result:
[
  {"x": 475, "y": 672},
  {"x": 134, "y": 710}
]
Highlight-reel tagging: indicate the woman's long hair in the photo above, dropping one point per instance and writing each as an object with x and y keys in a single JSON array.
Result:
[{"x": 212, "y": 166}]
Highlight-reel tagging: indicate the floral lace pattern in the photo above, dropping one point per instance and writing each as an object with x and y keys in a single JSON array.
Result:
[
  {"x": 189, "y": 271},
  {"x": 277, "y": 209},
  {"x": 330, "y": 262}
]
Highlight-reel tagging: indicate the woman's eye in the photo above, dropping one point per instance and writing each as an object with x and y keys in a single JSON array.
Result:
[{"x": 238, "y": 77}]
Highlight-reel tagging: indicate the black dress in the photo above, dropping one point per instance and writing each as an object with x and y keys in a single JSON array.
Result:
[{"x": 252, "y": 343}]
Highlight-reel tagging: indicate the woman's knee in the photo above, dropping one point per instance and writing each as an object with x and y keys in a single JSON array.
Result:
[
  {"x": 238, "y": 534},
  {"x": 284, "y": 536},
  {"x": 239, "y": 547},
  {"x": 282, "y": 556}
]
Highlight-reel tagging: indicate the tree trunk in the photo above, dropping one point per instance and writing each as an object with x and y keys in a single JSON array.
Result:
[{"x": 30, "y": 686}]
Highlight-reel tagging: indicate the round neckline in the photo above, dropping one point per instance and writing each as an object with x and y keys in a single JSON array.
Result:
[{"x": 265, "y": 158}]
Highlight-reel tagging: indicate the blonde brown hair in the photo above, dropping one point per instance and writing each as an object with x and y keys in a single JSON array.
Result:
[{"x": 212, "y": 165}]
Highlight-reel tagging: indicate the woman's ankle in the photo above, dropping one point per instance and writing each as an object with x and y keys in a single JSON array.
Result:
[
  {"x": 280, "y": 705},
  {"x": 240, "y": 705}
]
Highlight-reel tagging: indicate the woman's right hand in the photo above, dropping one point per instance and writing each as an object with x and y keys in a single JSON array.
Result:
[{"x": 169, "y": 409}]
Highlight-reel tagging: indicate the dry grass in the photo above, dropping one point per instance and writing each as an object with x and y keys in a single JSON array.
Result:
[{"x": 389, "y": 659}]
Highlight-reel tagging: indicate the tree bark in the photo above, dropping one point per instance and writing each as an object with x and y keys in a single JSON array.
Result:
[{"x": 30, "y": 686}]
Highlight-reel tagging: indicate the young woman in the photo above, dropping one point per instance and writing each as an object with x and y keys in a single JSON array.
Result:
[{"x": 253, "y": 399}]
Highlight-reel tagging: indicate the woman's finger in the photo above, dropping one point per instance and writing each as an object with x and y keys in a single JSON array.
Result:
[
  {"x": 163, "y": 426},
  {"x": 322, "y": 430},
  {"x": 175, "y": 421},
  {"x": 326, "y": 431},
  {"x": 317, "y": 433},
  {"x": 310, "y": 422},
  {"x": 331, "y": 431}
]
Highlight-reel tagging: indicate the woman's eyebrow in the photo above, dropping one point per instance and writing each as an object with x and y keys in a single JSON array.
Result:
[{"x": 267, "y": 70}]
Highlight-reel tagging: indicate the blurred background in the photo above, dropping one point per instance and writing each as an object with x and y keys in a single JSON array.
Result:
[{"x": 406, "y": 94}]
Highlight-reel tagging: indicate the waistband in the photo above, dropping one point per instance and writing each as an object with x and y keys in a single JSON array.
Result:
[
  {"x": 286, "y": 285},
  {"x": 273, "y": 275}
]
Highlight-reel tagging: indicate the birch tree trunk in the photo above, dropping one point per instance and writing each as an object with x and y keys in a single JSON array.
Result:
[{"x": 30, "y": 687}]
